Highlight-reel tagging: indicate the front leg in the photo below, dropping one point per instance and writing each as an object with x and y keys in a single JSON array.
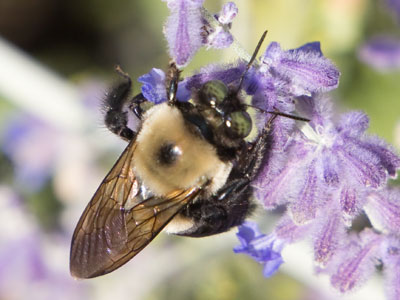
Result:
[
  {"x": 115, "y": 103},
  {"x": 115, "y": 118}
]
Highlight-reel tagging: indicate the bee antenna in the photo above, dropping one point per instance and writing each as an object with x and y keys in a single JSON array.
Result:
[
  {"x": 121, "y": 73},
  {"x": 278, "y": 113},
  {"x": 252, "y": 59}
]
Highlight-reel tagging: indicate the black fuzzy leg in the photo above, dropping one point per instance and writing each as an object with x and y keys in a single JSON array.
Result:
[
  {"x": 232, "y": 204},
  {"x": 115, "y": 118}
]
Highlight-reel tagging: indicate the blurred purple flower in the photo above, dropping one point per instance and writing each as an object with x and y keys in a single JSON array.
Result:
[
  {"x": 381, "y": 53},
  {"x": 394, "y": 6},
  {"x": 26, "y": 269},
  {"x": 33, "y": 148},
  {"x": 265, "y": 249}
]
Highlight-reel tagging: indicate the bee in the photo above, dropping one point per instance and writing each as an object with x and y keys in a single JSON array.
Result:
[{"x": 188, "y": 169}]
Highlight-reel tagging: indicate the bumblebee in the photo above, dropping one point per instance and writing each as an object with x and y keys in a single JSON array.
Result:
[{"x": 187, "y": 170}]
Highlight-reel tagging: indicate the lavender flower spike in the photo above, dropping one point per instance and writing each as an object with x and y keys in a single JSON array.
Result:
[
  {"x": 265, "y": 249},
  {"x": 183, "y": 29}
]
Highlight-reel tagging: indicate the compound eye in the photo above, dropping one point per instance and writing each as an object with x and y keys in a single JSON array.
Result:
[
  {"x": 213, "y": 92},
  {"x": 238, "y": 124}
]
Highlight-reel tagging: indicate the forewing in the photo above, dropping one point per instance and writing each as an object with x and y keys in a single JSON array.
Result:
[{"x": 114, "y": 227}]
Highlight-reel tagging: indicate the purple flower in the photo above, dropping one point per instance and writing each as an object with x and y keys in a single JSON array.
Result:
[
  {"x": 285, "y": 75},
  {"x": 383, "y": 210},
  {"x": 300, "y": 71},
  {"x": 326, "y": 172},
  {"x": 183, "y": 29},
  {"x": 26, "y": 268},
  {"x": 154, "y": 90},
  {"x": 394, "y": 6},
  {"x": 289, "y": 232},
  {"x": 228, "y": 13},
  {"x": 390, "y": 256},
  {"x": 329, "y": 234},
  {"x": 327, "y": 163},
  {"x": 190, "y": 26},
  {"x": 33, "y": 148},
  {"x": 220, "y": 37},
  {"x": 356, "y": 262},
  {"x": 381, "y": 53},
  {"x": 228, "y": 74},
  {"x": 265, "y": 249}
]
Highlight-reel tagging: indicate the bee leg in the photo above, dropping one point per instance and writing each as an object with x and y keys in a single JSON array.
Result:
[
  {"x": 115, "y": 118},
  {"x": 232, "y": 204},
  {"x": 257, "y": 154}
]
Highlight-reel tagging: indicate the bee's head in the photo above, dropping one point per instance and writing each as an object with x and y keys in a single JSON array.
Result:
[{"x": 223, "y": 110}]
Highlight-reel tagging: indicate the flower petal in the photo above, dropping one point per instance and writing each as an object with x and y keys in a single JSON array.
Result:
[
  {"x": 153, "y": 88},
  {"x": 353, "y": 123},
  {"x": 390, "y": 255},
  {"x": 265, "y": 249},
  {"x": 219, "y": 39},
  {"x": 351, "y": 200},
  {"x": 304, "y": 205},
  {"x": 228, "y": 13},
  {"x": 228, "y": 74},
  {"x": 356, "y": 261},
  {"x": 183, "y": 29},
  {"x": 364, "y": 165},
  {"x": 289, "y": 232},
  {"x": 330, "y": 232},
  {"x": 388, "y": 157},
  {"x": 383, "y": 210},
  {"x": 305, "y": 68}
]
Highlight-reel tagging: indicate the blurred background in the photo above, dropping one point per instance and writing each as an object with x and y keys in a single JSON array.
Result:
[{"x": 56, "y": 63}]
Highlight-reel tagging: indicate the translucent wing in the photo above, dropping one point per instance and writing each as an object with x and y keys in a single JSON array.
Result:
[{"x": 115, "y": 226}]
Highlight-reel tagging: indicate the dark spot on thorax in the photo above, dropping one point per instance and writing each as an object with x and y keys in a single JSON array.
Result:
[{"x": 168, "y": 153}]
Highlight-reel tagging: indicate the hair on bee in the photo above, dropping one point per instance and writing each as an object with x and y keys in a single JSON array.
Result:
[{"x": 188, "y": 169}]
